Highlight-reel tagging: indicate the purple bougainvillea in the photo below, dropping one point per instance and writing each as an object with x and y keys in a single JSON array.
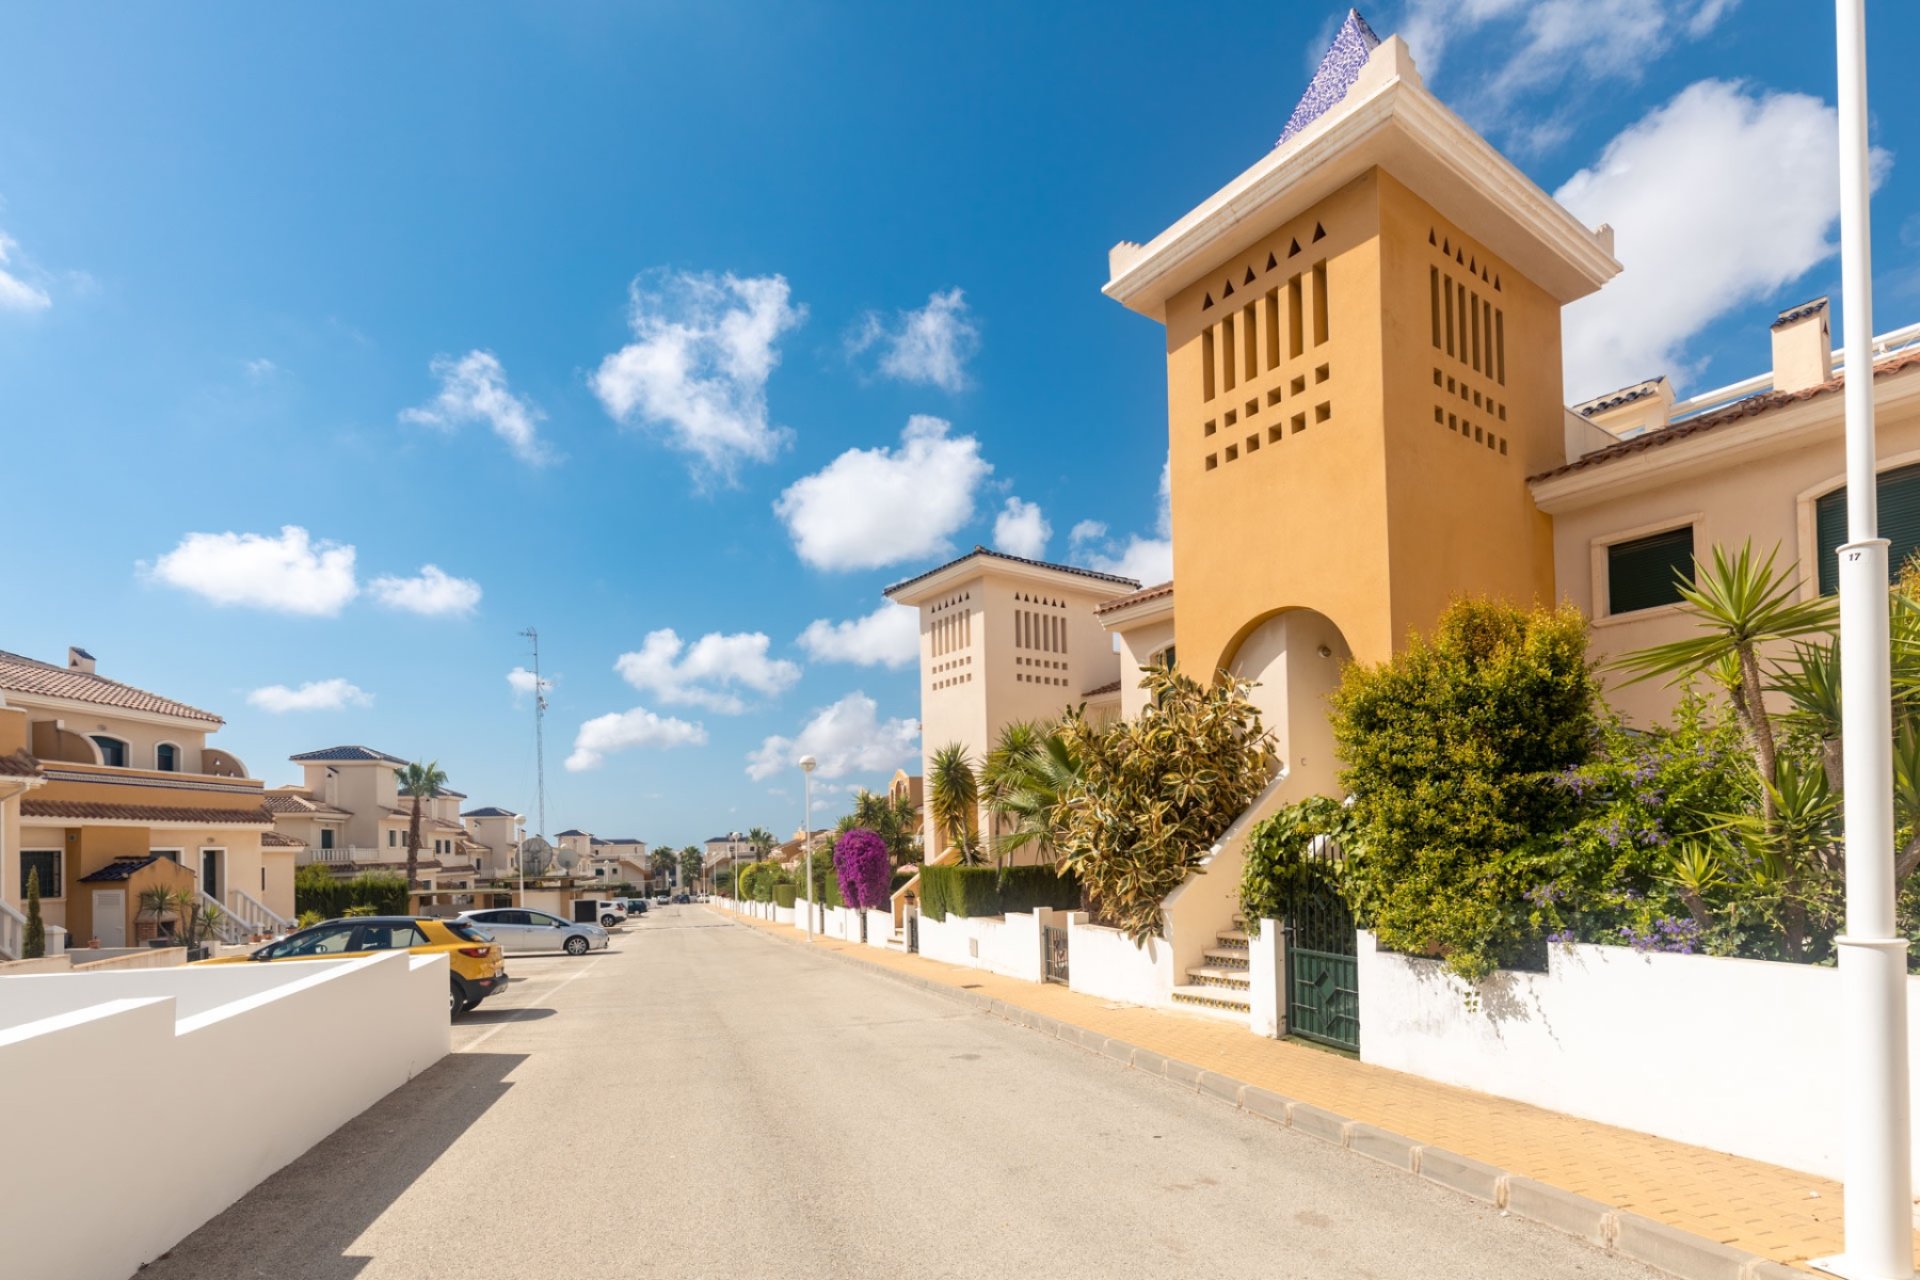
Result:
[{"x": 860, "y": 861}]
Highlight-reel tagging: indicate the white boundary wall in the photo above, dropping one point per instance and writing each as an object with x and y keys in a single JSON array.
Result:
[
  {"x": 879, "y": 928},
  {"x": 1742, "y": 1056},
  {"x": 271, "y": 1058},
  {"x": 1105, "y": 962},
  {"x": 1009, "y": 945}
]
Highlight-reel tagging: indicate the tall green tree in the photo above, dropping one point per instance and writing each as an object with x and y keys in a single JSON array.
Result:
[
  {"x": 761, "y": 841},
  {"x": 662, "y": 862},
  {"x": 692, "y": 859},
  {"x": 894, "y": 821},
  {"x": 954, "y": 798},
  {"x": 34, "y": 944},
  {"x": 421, "y": 782}
]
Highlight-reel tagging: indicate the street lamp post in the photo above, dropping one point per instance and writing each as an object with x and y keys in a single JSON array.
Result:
[
  {"x": 807, "y": 765},
  {"x": 1873, "y": 957}
]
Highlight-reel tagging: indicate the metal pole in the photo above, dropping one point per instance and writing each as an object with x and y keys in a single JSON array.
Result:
[
  {"x": 806, "y": 836},
  {"x": 1873, "y": 960}
]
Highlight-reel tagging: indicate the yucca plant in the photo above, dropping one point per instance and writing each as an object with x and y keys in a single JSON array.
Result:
[
  {"x": 34, "y": 944},
  {"x": 954, "y": 798}
]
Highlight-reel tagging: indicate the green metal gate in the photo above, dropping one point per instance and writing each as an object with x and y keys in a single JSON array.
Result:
[{"x": 1323, "y": 968}]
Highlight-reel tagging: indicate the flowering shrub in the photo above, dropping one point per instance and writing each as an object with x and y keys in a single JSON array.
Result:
[
  {"x": 860, "y": 861},
  {"x": 1456, "y": 752}
]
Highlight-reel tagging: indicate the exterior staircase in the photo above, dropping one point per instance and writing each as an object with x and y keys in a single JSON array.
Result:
[{"x": 1223, "y": 985}]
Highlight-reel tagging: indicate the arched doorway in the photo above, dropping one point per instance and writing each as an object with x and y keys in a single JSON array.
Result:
[{"x": 1295, "y": 656}]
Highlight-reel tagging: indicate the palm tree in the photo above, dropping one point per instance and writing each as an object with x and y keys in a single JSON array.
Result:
[
  {"x": 1740, "y": 605},
  {"x": 1032, "y": 779},
  {"x": 692, "y": 859},
  {"x": 421, "y": 782},
  {"x": 954, "y": 793},
  {"x": 661, "y": 863},
  {"x": 893, "y": 820},
  {"x": 761, "y": 841}
]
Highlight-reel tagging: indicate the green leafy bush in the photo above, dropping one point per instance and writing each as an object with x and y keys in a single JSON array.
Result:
[
  {"x": 1455, "y": 750},
  {"x": 316, "y": 889},
  {"x": 1278, "y": 871},
  {"x": 1154, "y": 793},
  {"x": 784, "y": 895},
  {"x": 985, "y": 891}
]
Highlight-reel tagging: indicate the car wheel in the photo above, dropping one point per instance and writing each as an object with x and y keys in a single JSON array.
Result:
[
  {"x": 456, "y": 1000},
  {"x": 576, "y": 945},
  {"x": 607, "y": 922}
]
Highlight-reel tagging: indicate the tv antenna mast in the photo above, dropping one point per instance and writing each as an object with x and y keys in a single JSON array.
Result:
[{"x": 539, "y": 734}]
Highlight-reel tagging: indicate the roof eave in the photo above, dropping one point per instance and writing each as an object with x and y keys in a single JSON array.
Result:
[{"x": 1571, "y": 260}]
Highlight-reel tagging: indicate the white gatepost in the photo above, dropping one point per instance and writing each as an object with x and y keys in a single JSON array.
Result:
[{"x": 1267, "y": 998}]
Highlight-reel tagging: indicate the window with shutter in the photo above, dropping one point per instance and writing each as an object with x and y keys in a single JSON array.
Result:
[
  {"x": 1899, "y": 524},
  {"x": 1647, "y": 572}
]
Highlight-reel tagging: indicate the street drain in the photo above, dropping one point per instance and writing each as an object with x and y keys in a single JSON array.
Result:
[{"x": 969, "y": 986}]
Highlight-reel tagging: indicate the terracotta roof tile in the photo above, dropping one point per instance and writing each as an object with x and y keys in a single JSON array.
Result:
[
  {"x": 1103, "y": 690},
  {"x": 31, "y": 676},
  {"x": 1138, "y": 597},
  {"x": 286, "y": 802},
  {"x": 1738, "y": 411},
  {"x": 1076, "y": 570},
  {"x": 35, "y": 807},
  {"x": 274, "y": 840},
  {"x": 19, "y": 765}
]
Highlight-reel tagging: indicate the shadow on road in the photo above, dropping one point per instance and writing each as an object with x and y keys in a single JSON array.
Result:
[
  {"x": 303, "y": 1219},
  {"x": 487, "y": 1017}
]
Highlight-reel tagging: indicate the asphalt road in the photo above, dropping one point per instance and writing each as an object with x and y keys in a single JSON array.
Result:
[{"x": 701, "y": 1101}]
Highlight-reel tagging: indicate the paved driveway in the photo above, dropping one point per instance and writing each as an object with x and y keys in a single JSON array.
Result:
[{"x": 700, "y": 1101}]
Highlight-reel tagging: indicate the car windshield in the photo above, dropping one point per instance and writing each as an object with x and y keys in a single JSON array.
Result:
[{"x": 465, "y": 931}]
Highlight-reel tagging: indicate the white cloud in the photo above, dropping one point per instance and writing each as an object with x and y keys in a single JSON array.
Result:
[
  {"x": 1549, "y": 41},
  {"x": 336, "y": 694},
  {"x": 887, "y": 637},
  {"x": 431, "y": 593},
  {"x": 704, "y": 674},
  {"x": 261, "y": 369},
  {"x": 1021, "y": 529},
  {"x": 847, "y": 737},
  {"x": 1758, "y": 208},
  {"x": 931, "y": 345},
  {"x": 697, "y": 369},
  {"x": 1147, "y": 559},
  {"x": 288, "y": 574},
  {"x": 474, "y": 389},
  {"x": 16, "y": 294},
  {"x": 523, "y": 682},
  {"x": 874, "y": 507},
  {"x": 623, "y": 730}
]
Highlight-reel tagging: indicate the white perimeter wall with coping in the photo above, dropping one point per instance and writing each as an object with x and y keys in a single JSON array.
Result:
[
  {"x": 879, "y": 928},
  {"x": 1742, "y": 1056},
  {"x": 1009, "y": 945},
  {"x": 1105, "y": 962},
  {"x": 263, "y": 1061}
]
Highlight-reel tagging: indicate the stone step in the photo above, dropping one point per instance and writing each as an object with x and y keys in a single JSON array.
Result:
[
  {"x": 1216, "y": 976},
  {"x": 1233, "y": 938},
  {"x": 1220, "y": 1001},
  {"x": 1228, "y": 957}
]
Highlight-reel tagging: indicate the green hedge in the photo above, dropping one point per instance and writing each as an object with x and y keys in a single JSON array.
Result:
[
  {"x": 988, "y": 891},
  {"x": 783, "y": 895},
  {"x": 381, "y": 894}
]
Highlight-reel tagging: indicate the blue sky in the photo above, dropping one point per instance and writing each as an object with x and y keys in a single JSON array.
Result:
[{"x": 629, "y": 319}]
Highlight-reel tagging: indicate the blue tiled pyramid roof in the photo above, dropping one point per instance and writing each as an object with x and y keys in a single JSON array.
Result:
[{"x": 1338, "y": 70}]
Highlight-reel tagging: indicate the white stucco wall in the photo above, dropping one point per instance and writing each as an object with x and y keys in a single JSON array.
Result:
[
  {"x": 1105, "y": 962},
  {"x": 1008, "y": 945},
  {"x": 1742, "y": 1056},
  {"x": 232, "y": 1065}
]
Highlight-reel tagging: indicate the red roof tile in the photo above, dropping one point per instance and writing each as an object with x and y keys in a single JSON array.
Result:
[
  {"x": 84, "y": 810},
  {"x": 274, "y": 840},
  {"x": 1139, "y": 597},
  {"x": 31, "y": 676},
  {"x": 19, "y": 765}
]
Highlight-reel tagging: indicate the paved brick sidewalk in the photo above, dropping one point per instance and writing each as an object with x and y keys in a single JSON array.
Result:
[{"x": 1758, "y": 1208}]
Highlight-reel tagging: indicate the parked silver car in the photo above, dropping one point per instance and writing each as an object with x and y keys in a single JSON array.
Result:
[{"x": 521, "y": 930}]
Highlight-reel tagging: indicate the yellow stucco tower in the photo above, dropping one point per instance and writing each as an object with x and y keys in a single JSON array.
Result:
[{"x": 1363, "y": 368}]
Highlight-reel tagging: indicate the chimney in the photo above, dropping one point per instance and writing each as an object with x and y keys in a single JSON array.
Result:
[
  {"x": 1802, "y": 346},
  {"x": 79, "y": 659}
]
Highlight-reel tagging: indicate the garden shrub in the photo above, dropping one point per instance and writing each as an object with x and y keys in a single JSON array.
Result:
[
  {"x": 316, "y": 889},
  {"x": 862, "y": 868},
  {"x": 1278, "y": 871},
  {"x": 784, "y": 895},
  {"x": 971, "y": 892},
  {"x": 1456, "y": 750},
  {"x": 1156, "y": 792}
]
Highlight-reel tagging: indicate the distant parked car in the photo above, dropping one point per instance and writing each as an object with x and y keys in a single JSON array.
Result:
[
  {"x": 476, "y": 963},
  {"x": 607, "y": 911},
  {"x": 661, "y": 899},
  {"x": 520, "y": 931},
  {"x": 680, "y": 897},
  {"x": 634, "y": 906}
]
